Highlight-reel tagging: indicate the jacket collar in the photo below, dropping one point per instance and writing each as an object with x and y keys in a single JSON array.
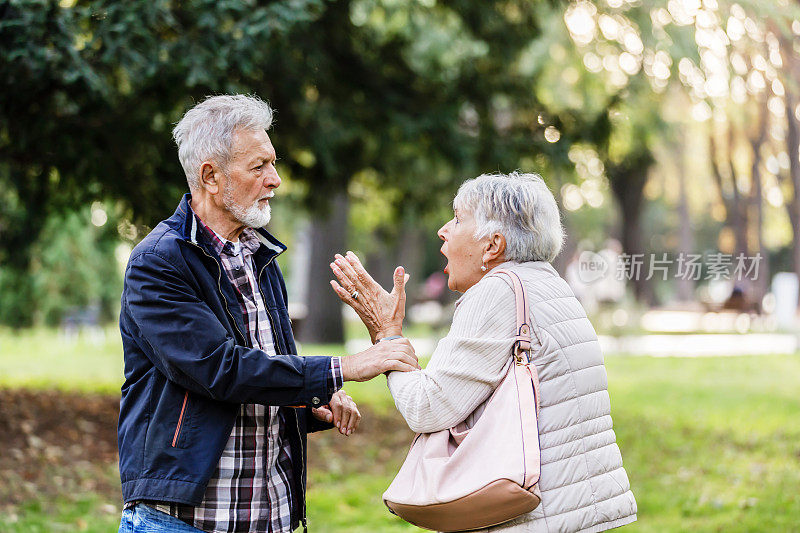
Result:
[{"x": 185, "y": 220}]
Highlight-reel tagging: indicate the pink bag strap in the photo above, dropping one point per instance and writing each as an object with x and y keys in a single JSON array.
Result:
[
  {"x": 524, "y": 318},
  {"x": 525, "y": 327}
]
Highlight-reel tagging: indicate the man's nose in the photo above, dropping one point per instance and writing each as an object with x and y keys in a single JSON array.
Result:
[{"x": 272, "y": 180}]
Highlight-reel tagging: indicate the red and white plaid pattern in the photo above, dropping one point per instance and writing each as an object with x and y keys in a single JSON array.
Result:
[{"x": 251, "y": 488}]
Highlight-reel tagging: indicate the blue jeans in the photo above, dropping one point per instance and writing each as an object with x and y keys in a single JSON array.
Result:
[{"x": 144, "y": 519}]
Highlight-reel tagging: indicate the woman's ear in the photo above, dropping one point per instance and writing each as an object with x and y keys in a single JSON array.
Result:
[{"x": 495, "y": 249}]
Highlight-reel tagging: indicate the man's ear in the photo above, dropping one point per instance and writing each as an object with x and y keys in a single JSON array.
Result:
[
  {"x": 495, "y": 249},
  {"x": 209, "y": 177}
]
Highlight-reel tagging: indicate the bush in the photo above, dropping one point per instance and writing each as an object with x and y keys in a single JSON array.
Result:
[{"x": 73, "y": 269}]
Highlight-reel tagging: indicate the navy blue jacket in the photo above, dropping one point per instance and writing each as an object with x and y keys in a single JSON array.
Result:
[{"x": 188, "y": 365}]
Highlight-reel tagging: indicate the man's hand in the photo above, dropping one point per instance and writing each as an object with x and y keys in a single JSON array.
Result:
[
  {"x": 396, "y": 354},
  {"x": 341, "y": 412},
  {"x": 381, "y": 312}
]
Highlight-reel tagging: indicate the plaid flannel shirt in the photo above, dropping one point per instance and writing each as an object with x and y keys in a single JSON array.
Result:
[{"x": 251, "y": 488}]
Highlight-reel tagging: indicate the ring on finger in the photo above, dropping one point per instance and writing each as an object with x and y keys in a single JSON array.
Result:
[{"x": 354, "y": 295}]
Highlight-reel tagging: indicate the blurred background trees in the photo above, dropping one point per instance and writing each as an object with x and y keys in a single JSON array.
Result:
[{"x": 671, "y": 126}]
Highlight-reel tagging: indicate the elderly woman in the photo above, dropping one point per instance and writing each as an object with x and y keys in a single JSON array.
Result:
[{"x": 511, "y": 222}]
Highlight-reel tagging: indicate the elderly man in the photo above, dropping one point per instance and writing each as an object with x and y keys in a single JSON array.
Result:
[{"x": 216, "y": 405}]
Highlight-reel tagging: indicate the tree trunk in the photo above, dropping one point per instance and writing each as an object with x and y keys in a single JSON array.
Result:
[
  {"x": 792, "y": 144},
  {"x": 791, "y": 74},
  {"x": 759, "y": 285},
  {"x": 19, "y": 229},
  {"x": 685, "y": 285},
  {"x": 379, "y": 261},
  {"x": 570, "y": 245},
  {"x": 323, "y": 323},
  {"x": 627, "y": 183},
  {"x": 735, "y": 207},
  {"x": 739, "y": 212},
  {"x": 411, "y": 252},
  {"x": 406, "y": 250},
  {"x": 632, "y": 244}
]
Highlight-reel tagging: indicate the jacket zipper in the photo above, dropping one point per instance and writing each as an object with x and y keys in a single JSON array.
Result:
[
  {"x": 302, "y": 473},
  {"x": 219, "y": 287},
  {"x": 303, "y": 518},
  {"x": 269, "y": 315},
  {"x": 180, "y": 420}
]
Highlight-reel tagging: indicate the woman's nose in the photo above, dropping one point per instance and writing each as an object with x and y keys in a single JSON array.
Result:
[{"x": 442, "y": 230}]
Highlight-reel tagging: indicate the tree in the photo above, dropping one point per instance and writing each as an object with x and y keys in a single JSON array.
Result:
[
  {"x": 92, "y": 89},
  {"x": 791, "y": 104},
  {"x": 704, "y": 50},
  {"x": 409, "y": 91}
]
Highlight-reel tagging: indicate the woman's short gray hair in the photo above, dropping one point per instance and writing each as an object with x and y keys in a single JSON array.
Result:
[
  {"x": 520, "y": 207},
  {"x": 206, "y": 131}
]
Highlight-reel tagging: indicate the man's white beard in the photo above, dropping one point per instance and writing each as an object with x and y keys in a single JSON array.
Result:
[{"x": 253, "y": 216}]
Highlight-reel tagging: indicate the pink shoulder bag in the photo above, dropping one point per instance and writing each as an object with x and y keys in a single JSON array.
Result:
[{"x": 472, "y": 478}]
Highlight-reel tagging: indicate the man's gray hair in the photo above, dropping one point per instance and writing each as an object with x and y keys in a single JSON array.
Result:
[
  {"x": 520, "y": 207},
  {"x": 206, "y": 131}
]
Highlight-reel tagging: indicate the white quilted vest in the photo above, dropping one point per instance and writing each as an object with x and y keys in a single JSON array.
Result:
[{"x": 584, "y": 486}]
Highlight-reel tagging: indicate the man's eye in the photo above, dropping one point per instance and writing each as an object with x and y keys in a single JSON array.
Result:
[{"x": 259, "y": 167}]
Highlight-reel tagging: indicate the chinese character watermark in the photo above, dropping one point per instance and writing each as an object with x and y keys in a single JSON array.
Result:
[{"x": 714, "y": 266}]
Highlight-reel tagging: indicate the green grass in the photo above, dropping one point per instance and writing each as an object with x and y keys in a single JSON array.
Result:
[
  {"x": 351, "y": 503},
  {"x": 86, "y": 513},
  {"x": 43, "y": 358},
  {"x": 354, "y": 329},
  {"x": 710, "y": 444}
]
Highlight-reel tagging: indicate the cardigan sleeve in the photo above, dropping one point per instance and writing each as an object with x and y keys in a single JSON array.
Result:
[{"x": 467, "y": 365}]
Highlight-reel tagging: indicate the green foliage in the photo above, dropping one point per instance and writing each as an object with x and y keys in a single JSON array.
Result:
[
  {"x": 15, "y": 297},
  {"x": 93, "y": 88},
  {"x": 417, "y": 95},
  {"x": 358, "y": 85},
  {"x": 75, "y": 266},
  {"x": 74, "y": 270}
]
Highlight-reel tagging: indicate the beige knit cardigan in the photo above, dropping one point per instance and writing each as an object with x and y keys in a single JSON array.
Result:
[{"x": 584, "y": 486}]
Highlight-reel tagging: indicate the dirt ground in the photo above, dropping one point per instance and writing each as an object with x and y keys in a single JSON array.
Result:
[{"x": 55, "y": 444}]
